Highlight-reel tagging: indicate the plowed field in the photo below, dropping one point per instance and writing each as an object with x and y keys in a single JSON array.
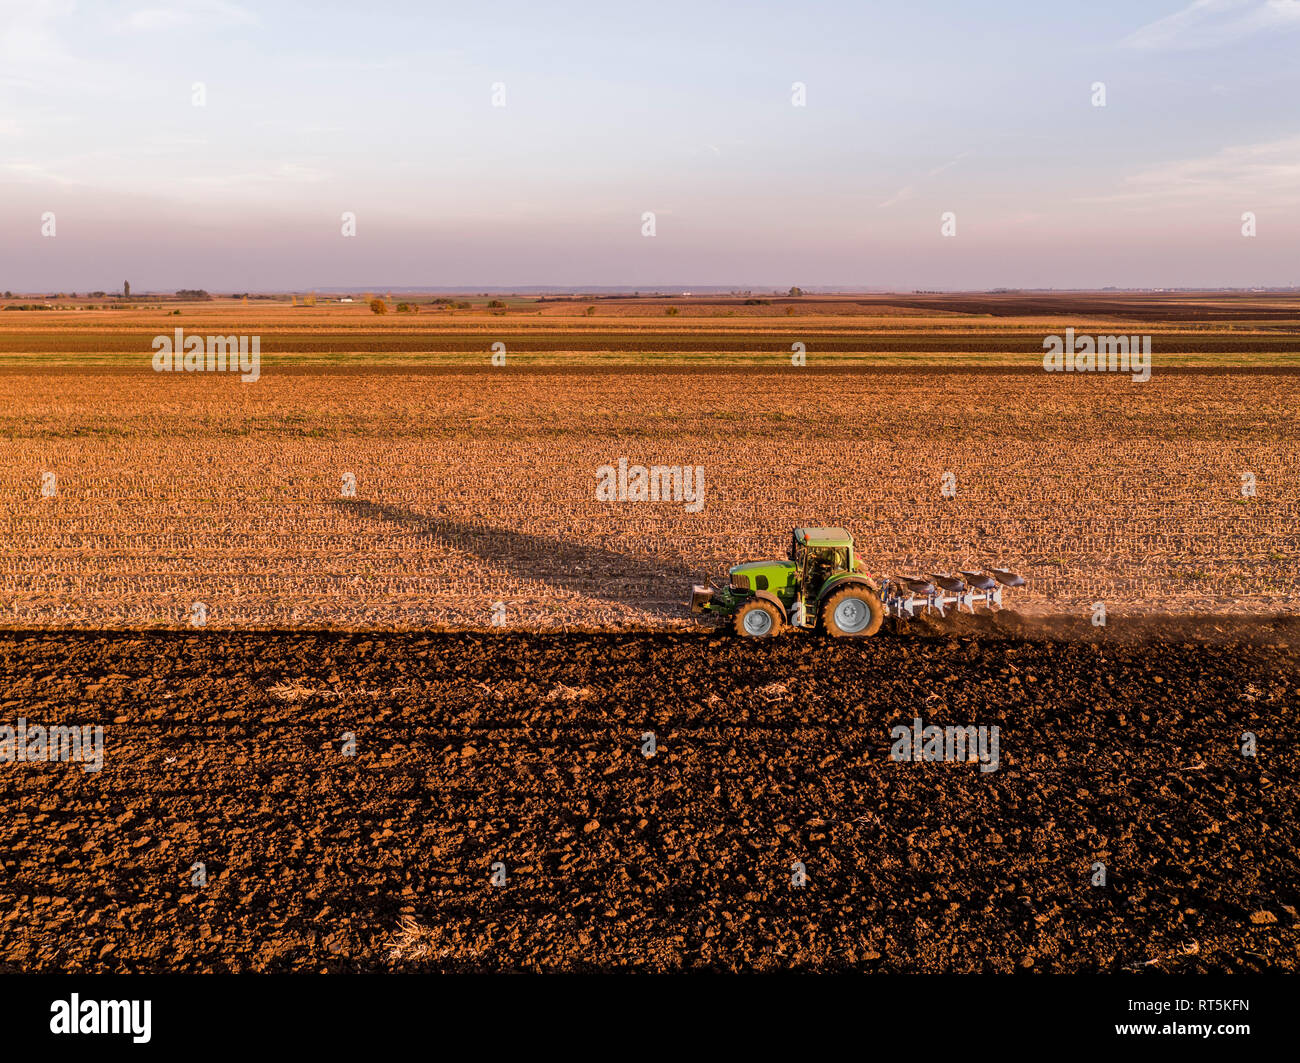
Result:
[{"x": 330, "y": 801}]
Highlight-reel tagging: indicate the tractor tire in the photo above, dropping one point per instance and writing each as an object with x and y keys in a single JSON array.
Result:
[
  {"x": 853, "y": 613},
  {"x": 758, "y": 619}
]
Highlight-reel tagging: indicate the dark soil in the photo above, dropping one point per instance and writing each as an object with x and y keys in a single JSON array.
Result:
[{"x": 472, "y": 749}]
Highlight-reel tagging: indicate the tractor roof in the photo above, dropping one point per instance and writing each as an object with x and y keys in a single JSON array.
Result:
[{"x": 823, "y": 536}]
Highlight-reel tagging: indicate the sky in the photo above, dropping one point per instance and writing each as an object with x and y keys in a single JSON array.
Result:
[{"x": 689, "y": 111}]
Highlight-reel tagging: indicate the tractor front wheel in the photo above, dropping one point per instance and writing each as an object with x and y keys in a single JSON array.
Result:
[
  {"x": 854, "y": 612},
  {"x": 758, "y": 619}
]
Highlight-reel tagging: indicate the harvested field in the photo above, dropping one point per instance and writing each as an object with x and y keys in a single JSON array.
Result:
[
  {"x": 652, "y": 341},
  {"x": 477, "y": 486},
  {"x": 229, "y": 751},
  {"x": 1258, "y": 330}
]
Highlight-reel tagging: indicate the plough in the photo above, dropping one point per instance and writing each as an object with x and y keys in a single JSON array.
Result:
[{"x": 906, "y": 595}]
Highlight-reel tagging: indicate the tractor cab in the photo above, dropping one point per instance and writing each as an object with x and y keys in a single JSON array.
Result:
[{"x": 818, "y": 555}]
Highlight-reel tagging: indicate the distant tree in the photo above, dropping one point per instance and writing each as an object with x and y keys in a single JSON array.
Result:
[
  {"x": 496, "y": 304},
  {"x": 796, "y": 291},
  {"x": 378, "y": 306},
  {"x": 590, "y": 311},
  {"x": 673, "y": 311},
  {"x": 126, "y": 289},
  {"x": 408, "y": 308}
]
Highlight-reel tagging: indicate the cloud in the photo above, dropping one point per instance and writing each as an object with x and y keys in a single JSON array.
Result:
[
  {"x": 189, "y": 13},
  {"x": 36, "y": 173},
  {"x": 34, "y": 56},
  {"x": 279, "y": 173},
  {"x": 947, "y": 165},
  {"x": 27, "y": 33},
  {"x": 1207, "y": 23},
  {"x": 908, "y": 191},
  {"x": 1247, "y": 174},
  {"x": 902, "y": 195}
]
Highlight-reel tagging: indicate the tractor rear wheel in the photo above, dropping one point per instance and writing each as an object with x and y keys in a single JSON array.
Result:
[
  {"x": 854, "y": 612},
  {"x": 758, "y": 619}
]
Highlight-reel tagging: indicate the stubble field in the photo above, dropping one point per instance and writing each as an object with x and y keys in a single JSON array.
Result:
[{"x": 402, "y": 493}]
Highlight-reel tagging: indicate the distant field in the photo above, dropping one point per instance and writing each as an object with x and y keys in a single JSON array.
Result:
[{"x": 989, "y": 330}]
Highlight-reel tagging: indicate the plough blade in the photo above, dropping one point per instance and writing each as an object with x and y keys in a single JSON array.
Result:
[{"x": 908, "y": 595}]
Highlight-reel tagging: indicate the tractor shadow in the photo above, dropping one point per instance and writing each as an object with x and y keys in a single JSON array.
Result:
[{"x": 647, "y": 583}]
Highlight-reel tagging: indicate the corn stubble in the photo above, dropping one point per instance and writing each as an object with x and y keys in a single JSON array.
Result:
[{"x": 476, "y": 486}]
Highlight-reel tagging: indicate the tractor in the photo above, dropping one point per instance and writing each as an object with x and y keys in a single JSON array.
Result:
[{"x": 821, "y": 581}]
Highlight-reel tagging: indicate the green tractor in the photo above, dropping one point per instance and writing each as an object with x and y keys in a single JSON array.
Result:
[{"x": 822, "y": 582}]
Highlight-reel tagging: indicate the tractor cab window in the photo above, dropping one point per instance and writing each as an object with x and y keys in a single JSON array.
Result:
[
  {"x": 821, "y": 564},
  {"x": 830, "y": 559}
]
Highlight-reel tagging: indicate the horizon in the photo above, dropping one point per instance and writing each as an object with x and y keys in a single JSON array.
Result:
[{"x": 663, "y": 291}]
